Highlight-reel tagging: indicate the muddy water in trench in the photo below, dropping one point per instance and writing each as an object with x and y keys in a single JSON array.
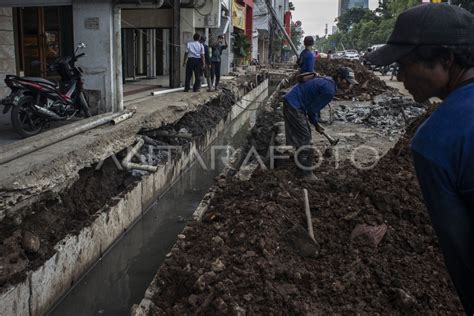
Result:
[{"x": 120, "y": 279}]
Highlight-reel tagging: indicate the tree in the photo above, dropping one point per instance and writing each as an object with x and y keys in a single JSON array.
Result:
[
  {"x": 296, "y": 34},
  {"x": 354, "y": 16}
]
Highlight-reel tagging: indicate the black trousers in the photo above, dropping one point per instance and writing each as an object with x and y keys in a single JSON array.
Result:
[
  {"x": 193, "y": 65},
  {"x": 298, "y": 135},
  {"x": 216, "y": 72}
]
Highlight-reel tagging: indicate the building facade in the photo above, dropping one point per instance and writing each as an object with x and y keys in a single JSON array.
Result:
[{"x": 128, "y": 41}]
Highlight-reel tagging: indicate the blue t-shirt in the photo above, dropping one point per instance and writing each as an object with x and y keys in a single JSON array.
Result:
[
  {"x": 307, "y": 61},
  {"x": 443, "y": 154},
  {"x": 312, "y": 96}
]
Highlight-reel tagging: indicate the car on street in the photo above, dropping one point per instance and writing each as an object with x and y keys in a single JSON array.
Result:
[{"x": 351, "y": 54}]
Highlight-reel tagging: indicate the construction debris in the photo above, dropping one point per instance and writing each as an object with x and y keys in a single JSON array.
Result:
[
  {"x": 390, "y": 115},
  {"x": 369, "y": 84}
]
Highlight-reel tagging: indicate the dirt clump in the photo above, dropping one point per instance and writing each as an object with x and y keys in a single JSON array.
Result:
[
  {"x": 369, "y": 84},
  {"x": 375, "y": 249}
]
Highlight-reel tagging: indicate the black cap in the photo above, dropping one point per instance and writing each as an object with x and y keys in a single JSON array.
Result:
[
  {"x": 426, "y": 24},
  {"x": 348, "y": 74}
]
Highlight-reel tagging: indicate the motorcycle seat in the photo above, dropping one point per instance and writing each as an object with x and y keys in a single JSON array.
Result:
[{"x": 38, "y": 80}]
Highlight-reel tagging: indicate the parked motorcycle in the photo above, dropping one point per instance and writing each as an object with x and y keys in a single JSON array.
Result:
[{"x": 34, "y": 102}]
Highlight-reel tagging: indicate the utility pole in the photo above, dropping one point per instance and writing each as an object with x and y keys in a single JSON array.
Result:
[
  {"x": 282, "y": 28},
  {"x": 175, "y": 47}
]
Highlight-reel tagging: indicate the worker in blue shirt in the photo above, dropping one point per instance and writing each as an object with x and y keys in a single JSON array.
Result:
[
  {"x": 306, "y": 61},
  {"x": 302, "y": 104},
  {"x": 434, "y": 47}
]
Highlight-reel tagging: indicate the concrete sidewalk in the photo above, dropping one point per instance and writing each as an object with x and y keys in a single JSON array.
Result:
[{"x": 51, "y": 169}]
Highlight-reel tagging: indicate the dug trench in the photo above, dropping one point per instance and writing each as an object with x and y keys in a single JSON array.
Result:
[
  {"x": 28, "y": 243},
  {"x": 375, "y": 249}
]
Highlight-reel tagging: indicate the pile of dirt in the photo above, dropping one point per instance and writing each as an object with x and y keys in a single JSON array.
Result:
[
  {"x": 375, "y": 249},
  {"x": 369, "y": 84},
  {"x": 391, "y": 115},
  {"x": 27, "y": 245}
]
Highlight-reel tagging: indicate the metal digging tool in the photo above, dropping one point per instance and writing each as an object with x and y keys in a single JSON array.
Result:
[{"x": 322, "y": 131}]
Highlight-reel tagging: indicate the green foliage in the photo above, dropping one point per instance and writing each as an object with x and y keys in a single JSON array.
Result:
[
  {"x": 242, "y": 46},
  {"x": 362, "y": 28},
  {"x": 354, "y": 16},
  {"x": 296, "y": 35}
]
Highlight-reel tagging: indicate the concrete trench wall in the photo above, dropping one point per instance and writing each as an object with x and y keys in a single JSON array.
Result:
[
  {"x": 146, "y": 305},
  {"x": 76, "y": 254}
]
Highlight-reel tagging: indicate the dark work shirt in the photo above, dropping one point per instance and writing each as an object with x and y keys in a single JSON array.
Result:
[
  {"x": 312, "y": 96},
  {"x": 217, "y": 53},
  {"x": 443, "y": 154},
  {"x": 307, "y": 61}
]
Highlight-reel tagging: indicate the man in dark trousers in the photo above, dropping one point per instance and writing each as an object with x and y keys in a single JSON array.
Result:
[
  {"x": 301, "y": 104},
  {"x": 217, "y": 49},
  {"x": 206, "y": 68},
  {"x": 193, "y": 61},
  {"x": 306, "y": 61},
  {"x": 434, "y": 47}
]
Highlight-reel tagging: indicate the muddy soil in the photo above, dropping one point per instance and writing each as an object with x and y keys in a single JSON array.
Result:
[
  {"x": 369, "y": 84},
  {"x": 375, "y": 249},
  {"x": 26, "y": 245}
]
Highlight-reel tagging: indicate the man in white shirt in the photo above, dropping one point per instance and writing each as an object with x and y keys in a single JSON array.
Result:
[{"x": 194, "y": 62}]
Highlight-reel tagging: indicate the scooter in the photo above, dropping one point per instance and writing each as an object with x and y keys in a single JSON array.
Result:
[{"x": 34, "y": 102}]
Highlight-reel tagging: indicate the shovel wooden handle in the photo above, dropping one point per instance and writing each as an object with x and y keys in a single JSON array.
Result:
[{"x": 309, "y": 222}]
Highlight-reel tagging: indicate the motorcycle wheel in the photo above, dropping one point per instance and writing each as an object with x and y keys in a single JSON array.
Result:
[
  {"x": 25, "y": 121},
  {"x": 84, "y": 99}
]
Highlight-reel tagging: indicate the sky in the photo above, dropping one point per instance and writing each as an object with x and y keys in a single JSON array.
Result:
[{"x": 314, "y": 14}]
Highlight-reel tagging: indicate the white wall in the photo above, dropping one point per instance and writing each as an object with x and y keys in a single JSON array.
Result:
[
  {"x": 98, "y": 64},
  {"x": 187, "y": 31},
  {"x": 7, "y": 49}
]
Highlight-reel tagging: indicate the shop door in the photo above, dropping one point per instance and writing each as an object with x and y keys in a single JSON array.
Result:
[{"x": 41, "y": 32}]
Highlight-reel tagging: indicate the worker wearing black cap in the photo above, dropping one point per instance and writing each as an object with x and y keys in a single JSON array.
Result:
[
  {"x": 306, "y": 61},
  {"x": 434, "y": 46},
  {"x": 301, "y": 104}
]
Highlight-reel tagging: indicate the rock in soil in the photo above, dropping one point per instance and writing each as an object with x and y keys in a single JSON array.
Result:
[{"x": 31, "y": 243}]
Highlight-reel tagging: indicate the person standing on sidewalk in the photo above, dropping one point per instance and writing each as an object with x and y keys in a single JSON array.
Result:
[
  {"x": 434, "y": 47},
  {"x": 306, "y": 61},
  {"x": 301, "y": 105},
  {"x": 217, "y": 49},
  {"x": 207, "y": 67},
  {"x": 193, "y": 61}
]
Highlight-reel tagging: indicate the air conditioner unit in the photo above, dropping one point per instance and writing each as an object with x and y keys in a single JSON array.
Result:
[
  {"x": 208, "y": 15},
  {"x": 212, "y": 20}
]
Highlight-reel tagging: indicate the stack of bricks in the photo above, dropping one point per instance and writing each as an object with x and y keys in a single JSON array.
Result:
[{"x": 7, "y": 48}]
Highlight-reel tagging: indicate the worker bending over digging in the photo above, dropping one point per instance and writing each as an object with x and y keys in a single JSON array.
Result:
[
  {"x": 302, "y": 104},
  {"x": 434, "y": 46}
]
